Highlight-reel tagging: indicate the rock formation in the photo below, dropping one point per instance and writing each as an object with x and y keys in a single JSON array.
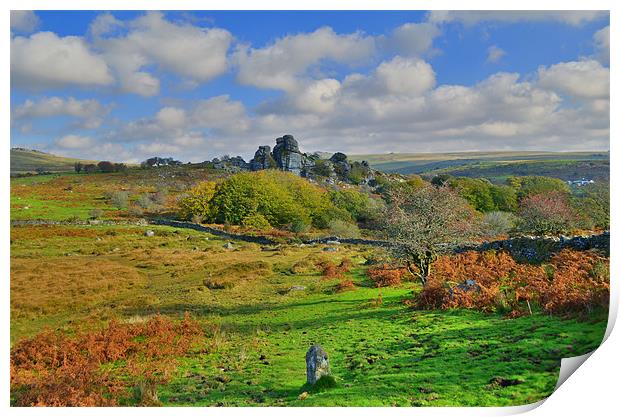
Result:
[
  {"x": 286, "y": 156},
  {"x": 263, "y": 159}
]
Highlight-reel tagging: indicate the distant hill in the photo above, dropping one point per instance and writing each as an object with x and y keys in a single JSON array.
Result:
[
  {"x": 28, "y": 160},
  {"x": 494, "y": 165}
]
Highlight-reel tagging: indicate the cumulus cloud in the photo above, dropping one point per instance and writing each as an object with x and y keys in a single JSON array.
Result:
[
  {"x": 90, "y": 112},
  {"x": 285, "y": 62},
  {"x": 74, "y": 142},
  {"x": 24, "y": 21},
  {"x": 45, "y": 60},
  {"x": 601, "y": 43},
  {"x": 412, "y": 39},
  {"x": 470, "y": 18},
  {"x": 191, "y": 52},
  {"x": 578, "y": 79},
  {"x": 495, "y": 54}
]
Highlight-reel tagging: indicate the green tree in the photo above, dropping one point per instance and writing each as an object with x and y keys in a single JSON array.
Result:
[
  {"x": 532, "y": 185},
  {"x": 476, "y": 191}
]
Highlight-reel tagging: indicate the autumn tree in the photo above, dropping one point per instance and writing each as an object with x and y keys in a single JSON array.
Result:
[
  {"x": 423, "y": 223},
  {"x": 548, "y": 213}
]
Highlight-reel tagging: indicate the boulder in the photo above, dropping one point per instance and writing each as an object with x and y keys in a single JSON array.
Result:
[
  {"x": 317, "y": 364},
  {"x": 228, "y": 245},
  {"x": 149, "y": 233}
]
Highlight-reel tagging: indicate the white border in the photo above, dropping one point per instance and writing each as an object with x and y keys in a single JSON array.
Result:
[{"x": 592, "y": 390}]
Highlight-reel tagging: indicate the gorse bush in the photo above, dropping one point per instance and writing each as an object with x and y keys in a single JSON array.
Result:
[
  {"x": 196, "y": 202},
  {"x": 283, "y": 199},
  {"x": 56, "y": 369}
]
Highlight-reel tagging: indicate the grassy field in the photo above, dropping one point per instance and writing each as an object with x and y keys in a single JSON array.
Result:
[
  {"x": 257, "y": 326},
  {"x": 23, "y": 160},
  {"x": 495, "y": 165}
]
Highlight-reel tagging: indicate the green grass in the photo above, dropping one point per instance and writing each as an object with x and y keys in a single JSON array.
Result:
[{"x": 257, "y": 330}]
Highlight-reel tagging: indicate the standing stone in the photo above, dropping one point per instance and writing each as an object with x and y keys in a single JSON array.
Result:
[{"x": 317, "y": 364}]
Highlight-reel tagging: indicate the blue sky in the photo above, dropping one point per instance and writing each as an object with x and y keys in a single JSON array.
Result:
[{"x": 194, "y": 85}]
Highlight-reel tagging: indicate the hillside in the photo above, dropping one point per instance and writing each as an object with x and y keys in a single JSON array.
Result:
[
  {"x": 494, "y": 165},
  {"x": 26, "y": 160}
]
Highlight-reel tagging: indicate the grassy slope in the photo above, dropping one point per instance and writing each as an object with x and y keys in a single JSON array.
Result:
[
  {"x": 28, "y": 161},
  {"x": 80, "y": 276}
]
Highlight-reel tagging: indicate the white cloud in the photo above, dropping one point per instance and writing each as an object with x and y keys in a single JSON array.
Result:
[
  {"x": 495, "y": 54},
  {"x": 469, "y": 18},
  {"x": 90, "y": 112},
  {"x": 601, "y": 43},
  {"x": 45, "y": 60},
  {"x": 74, "y": 142},
  {"x": 24, "y": 21},
  {"x": 578, "y": 79},
  {"x": 413, "y": 39},
  {"x": 188, "y": 51},
  {"x": 399, "y": 77},
  {"x": 284, "y": 63}
]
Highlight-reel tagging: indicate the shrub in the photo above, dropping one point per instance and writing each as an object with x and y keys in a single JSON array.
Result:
[
  {"x": 497, "y": 223},
  {"x": 197, "y": 202},
  {"x": 144, "y": 202},
  {"x": 345, "y": 285},
  {"x": 572, "y": 283},
  {"x": 119, "y": 199},
  {"x": 299, "y": 226},
  {"x": 357, "y": 204},
  {"x": 546, "y": 213},
  {"x": 384, "y": 275},
  {"x": 283, "y": 198},
  {"x": 57, "y": 369},
  {"x": 343, "y": 229},
  {"x": 256, "y": 221},
  {"x": 331, "y": 271}
]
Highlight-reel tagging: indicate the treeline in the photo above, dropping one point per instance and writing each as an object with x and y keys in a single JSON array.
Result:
[
  {"x": 103, "y": 166},
  {"x": 266, "y": 199}
]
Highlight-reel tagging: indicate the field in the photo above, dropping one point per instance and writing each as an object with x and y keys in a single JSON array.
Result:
[
  {"x": 261, "y": 307},
  {"x": 23, "y": 161},
  {"x": 495, "y": 166}
]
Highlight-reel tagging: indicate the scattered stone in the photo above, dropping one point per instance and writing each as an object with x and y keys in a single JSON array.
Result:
[
  {"x": 330, "y": 249},
  {"x": 149, "y": 233},
  {"x": 297, "y": 288},
  {"x": 98, "y": 239},
  {"x": 228, "y": 245},
  {"x": 332, "y": 242},
  {"x": 303, "y": 396},
  {"x": 317, "y": 364},
  {"x": 468, "y": 285}
]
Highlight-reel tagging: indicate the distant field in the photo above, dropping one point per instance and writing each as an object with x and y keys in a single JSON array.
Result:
[
  {"x": 23, "y": 161},
  {"x": 495, "y": 165}
]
